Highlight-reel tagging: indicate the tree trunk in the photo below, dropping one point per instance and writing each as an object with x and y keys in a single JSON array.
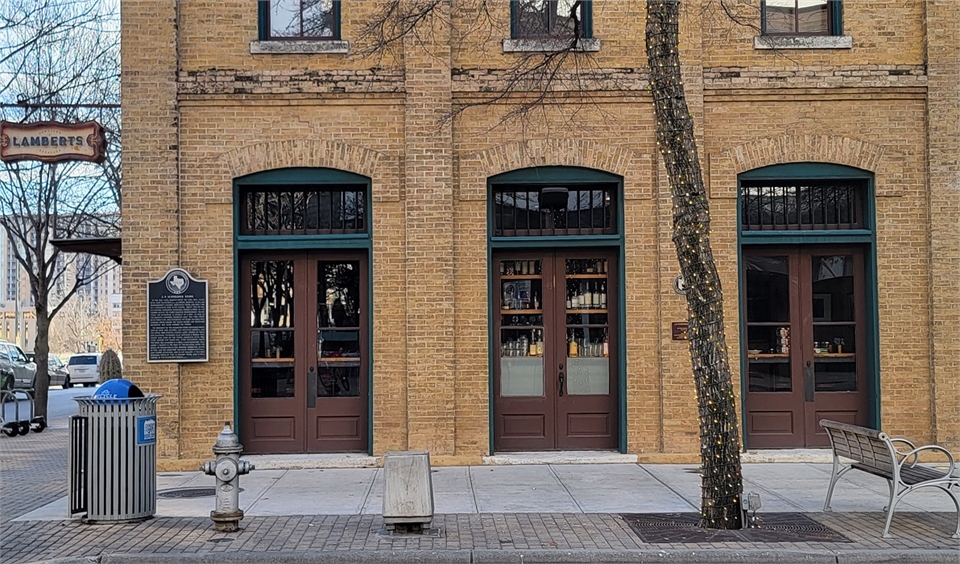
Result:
[
  {"x": 721, "y": 482},
  {"x": 41, "y": 353}
]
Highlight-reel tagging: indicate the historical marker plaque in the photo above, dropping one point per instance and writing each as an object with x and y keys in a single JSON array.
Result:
[{"x": 177, "y": 318}]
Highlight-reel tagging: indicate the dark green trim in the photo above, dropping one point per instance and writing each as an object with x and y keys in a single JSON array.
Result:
[
  {"x": 543, "y": 175},
  {"x": 804, "y": 237},
  {"x": 491, "y": 341},
  {"x": 804, "y": 171},
  {"x": 236, "y": 344},
  {"x": 248, "y": 242},
  {"x": 555, "y": 241},
  {"x": 836, "y": 17},
  {"x": 263, "y": 13},
  {"x": 872, "y": 303},
  {"x": 302, "y": 175}
]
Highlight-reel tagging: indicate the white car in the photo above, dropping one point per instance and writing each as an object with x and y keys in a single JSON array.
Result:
[{"x": 83, "y": 368}]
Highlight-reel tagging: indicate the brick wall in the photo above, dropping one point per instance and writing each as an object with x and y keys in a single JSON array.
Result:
[{"x": 219, "y": 112}]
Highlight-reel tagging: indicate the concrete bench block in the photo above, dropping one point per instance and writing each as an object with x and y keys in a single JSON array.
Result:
[{"x": 407, "y": 489}]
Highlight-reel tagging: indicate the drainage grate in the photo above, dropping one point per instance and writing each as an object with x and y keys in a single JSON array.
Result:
[
  {"x": 186, "y": 493},
  {"x": 772, "y": 527}
]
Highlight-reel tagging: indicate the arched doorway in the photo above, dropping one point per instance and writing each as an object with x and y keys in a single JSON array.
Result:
[
  {"x": 556, "y": 320},
  {"x": 808, "y": 311},
  {"x": 304, "y": 315}
]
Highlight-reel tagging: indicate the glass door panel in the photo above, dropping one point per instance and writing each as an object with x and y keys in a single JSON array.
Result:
[
  {"x": 338, "y": 328},
  {"x": 272, "y": 329},
  {"x": 587, "y": 326},
  {"x": 521, "y": 328},
  {"x": 768, "y": 323},
  {"x": 834, "y": 323}
]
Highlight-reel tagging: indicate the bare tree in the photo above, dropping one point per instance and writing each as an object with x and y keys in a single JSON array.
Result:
[
  {"x": 537, "y": 79},
  {"x": 75, "y": 326},
  {"x": 64, "y": 67}
]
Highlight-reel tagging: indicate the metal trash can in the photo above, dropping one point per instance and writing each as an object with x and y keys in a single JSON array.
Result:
[{"x": 113, "y": 455}]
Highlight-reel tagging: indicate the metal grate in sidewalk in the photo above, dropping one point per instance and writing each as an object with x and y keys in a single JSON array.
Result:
[{"x": 772, "y": 527}]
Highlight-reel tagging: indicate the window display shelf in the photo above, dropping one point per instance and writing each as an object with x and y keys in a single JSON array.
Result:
[
  {"x": 586, "y": 276},
  {"x": 521, "y": 276},
  {"x": 578, "y": 311}
]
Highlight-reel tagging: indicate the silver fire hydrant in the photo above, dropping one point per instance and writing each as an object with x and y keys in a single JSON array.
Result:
[{"x": 227, "y": 468}]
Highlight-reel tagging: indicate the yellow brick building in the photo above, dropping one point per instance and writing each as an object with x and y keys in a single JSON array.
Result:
[{"x": 383, "y": 279}]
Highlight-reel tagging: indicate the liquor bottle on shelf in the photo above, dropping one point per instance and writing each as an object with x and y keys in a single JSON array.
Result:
[
  {"x": 575, "y": 298},
  {"x": 572, "y": 346},
  {"x": 536, "y": 300},
  {"x": 590, "y": 264},
  {"x": 540, "y": 342},
  {"x": 587, "y": 296},
  {"x": 524, "y": 348},
  {"x": 606, "y": 344},
  {"x": 603, "y": 295},
  {"x": 533, "y": 344},
  {"x": 569, "y": 299},
  {"x": 595, "y": 288}
]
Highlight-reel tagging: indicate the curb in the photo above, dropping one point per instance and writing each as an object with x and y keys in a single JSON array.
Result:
[{"x": 687, "y": 556}]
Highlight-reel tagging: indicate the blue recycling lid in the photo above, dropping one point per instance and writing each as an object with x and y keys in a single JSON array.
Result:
[{"x": 117, "y": 388}]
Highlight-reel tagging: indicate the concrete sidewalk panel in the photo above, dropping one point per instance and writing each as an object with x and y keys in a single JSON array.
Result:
[
  {"x": 332, "y": 491},
  {"x": 520, "y": 489},
  {"x": 618, "y": 488},
  {"x": 669, "y": 556}
]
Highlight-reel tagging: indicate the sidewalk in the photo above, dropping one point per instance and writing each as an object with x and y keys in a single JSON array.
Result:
[{"x": 514, "y": 513}]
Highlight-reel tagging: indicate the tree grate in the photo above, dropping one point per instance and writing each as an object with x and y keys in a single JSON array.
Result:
[{"x": 770, "y": 527}]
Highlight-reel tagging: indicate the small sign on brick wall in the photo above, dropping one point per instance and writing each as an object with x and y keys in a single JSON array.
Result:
[{"x": 679, "y": 330}]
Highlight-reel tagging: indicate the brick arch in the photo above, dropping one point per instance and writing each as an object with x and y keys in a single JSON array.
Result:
[
  {"x": 380, "y": 167},
  {"x": 805, "y": 148},
  {"x": 628, "y": 163}
]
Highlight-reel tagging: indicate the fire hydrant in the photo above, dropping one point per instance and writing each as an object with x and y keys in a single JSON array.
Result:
[{"x": 227, "y": 468}]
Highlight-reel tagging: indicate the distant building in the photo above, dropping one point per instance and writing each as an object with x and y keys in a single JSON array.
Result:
[{"x": 102, "y": 297}]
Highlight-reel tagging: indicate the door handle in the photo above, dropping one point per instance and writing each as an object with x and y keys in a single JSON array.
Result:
[
  {"x": 808, "y": 382},
  {"x": 312, "y": 387},
  {"x": 560, "y": 382}
]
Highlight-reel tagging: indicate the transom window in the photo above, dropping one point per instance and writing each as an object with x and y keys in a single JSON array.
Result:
[
  {"x": 801, "y": 17},
  {"x": 539, "y": 19},
  {"x": 300, "y": 19},
  {"x": 778, "y": 205},
  {"x": 590, "y": 210},
  {"x": 304, "y": 210}
]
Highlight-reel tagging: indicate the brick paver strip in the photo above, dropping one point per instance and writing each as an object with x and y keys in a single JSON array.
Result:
[{"x": 560, "y": 535}]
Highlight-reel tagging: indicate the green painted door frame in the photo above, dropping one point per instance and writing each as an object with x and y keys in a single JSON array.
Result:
[
  {"x": 538, "y": 177},
  {"x": 865, "y": 237}
]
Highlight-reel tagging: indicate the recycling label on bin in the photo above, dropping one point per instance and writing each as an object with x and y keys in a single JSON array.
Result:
[{"x": 146, "y": 430}]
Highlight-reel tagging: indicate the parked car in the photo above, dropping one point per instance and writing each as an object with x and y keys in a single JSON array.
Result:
[
  {"x": 55, "y": 368},
  {"x": 83, "y": 368},
  {"x": 13, "y": 362}
]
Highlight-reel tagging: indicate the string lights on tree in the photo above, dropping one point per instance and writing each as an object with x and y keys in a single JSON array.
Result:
[{"x": 721, "y": 481}]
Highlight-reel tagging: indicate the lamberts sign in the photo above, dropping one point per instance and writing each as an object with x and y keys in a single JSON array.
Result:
[{"x": 51, "y": 141}]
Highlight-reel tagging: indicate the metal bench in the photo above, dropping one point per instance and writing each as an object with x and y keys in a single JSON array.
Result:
[{"x": 874, "y": 452}]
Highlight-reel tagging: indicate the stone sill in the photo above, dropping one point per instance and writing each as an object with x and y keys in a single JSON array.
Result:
[
  {"x": 549, "y": 45},
  {"x": 336, "y": 47},
  {"x": 803, "y": 42}
]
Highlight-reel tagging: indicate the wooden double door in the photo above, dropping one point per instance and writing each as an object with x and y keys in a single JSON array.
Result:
[
  {"x": 805, "y": 343},
  {"x": 304, "y": 352},
  {"x": 555, "y": 352}
]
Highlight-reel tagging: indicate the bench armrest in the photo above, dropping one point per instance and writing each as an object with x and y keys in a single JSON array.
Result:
[
  {"x": 900, "y": 453},
  {"x": 916, "y": 452}
]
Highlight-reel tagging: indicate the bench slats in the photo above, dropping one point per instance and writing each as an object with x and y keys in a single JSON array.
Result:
[{"x": 874, "y": 452}]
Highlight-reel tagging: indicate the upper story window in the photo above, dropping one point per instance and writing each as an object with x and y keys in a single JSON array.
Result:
[
  {"x": 299, "y": 19},
  {"x": 546, "y": 19},
  {"x": 801, "y": 17}
]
